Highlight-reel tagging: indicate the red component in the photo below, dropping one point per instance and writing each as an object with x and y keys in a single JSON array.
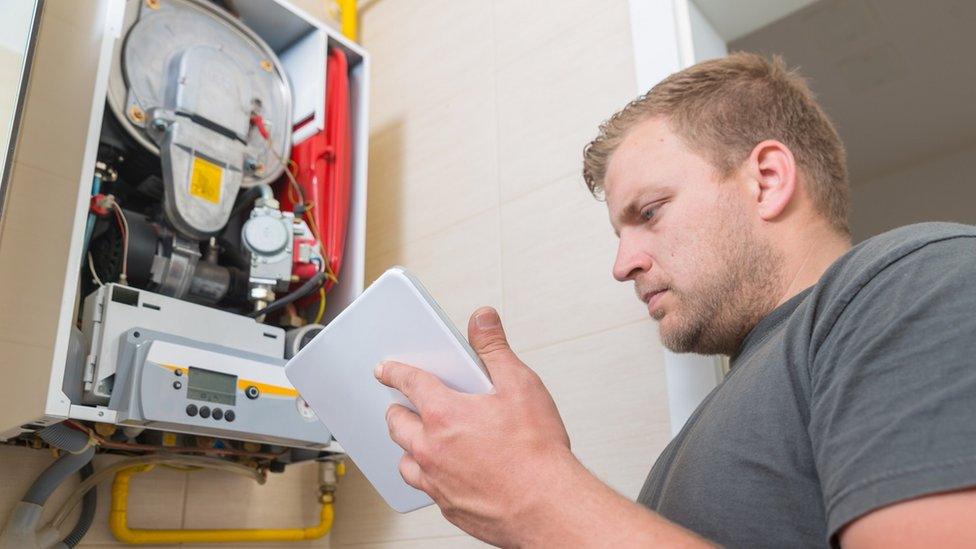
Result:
[
  {"x": 303, "y": 270},
  {"x": 258, "y": 121},
  {"x": 97, "y": 205},
  {"x": 323, "y": 165}
]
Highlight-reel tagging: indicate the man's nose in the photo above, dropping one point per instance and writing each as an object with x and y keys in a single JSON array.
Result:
[{"x": 630, "y": 260}]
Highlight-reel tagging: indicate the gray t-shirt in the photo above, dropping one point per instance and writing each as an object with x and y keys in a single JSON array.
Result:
[{"x": 857, "y": 393}]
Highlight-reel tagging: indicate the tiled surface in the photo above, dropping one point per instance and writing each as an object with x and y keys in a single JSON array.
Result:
[
  {"x": 215, "y": 499},
  {"x": 433, "y": 168},
  {"x": 363, "y": 517},
  {"x": 557, "y": 253},
  {"x": 611, "y": 392},
  {"x": 167, "y": 498},
  {"x": 460, "y": 266},
  {"x": 553, "y": 97},
  {"x": 155, "y": 501},
  {"x": 424, "y": 52},
  {"x": 540, "y": 75},
  {"x": 157, "y": 496}
]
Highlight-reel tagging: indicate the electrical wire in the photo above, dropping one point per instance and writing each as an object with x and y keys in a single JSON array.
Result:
[
  {"x": 326, "y": 264},
  {"x": 124, "y": 228},
  {"x": 91, "y": 267},
  {"x": 297, "y": 195},
  {"x": 305, "y": 289},
  {"x": 321, "y": 312}
]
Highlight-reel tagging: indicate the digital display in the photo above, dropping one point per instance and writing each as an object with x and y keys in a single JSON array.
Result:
[{"x": 211, "y": 386}]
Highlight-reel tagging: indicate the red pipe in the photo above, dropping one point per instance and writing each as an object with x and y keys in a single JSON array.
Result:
[{"x": 323, "y": 165}]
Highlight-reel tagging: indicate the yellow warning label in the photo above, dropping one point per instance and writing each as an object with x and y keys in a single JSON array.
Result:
[{"x": 206, "y": 180}]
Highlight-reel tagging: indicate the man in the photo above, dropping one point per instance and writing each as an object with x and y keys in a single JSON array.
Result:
[{"x": 849, "y": 413}]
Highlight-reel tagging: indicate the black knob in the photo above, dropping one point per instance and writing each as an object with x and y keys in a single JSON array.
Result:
[
  {"x": 177, "y": 385},
  {"x": 229, "y": 415},
  {"x": 191, "y": 410},
  {"x": 251, "y": 392},
  {"x": 204, "y": 412},
  {"x": 218, "y": 414},
  {"x": 178, "y": 372}
]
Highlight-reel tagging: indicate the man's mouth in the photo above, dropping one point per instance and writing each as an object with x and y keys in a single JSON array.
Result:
[{"x": 652, "y": 298}]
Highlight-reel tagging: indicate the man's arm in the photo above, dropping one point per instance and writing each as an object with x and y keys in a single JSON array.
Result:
[
  {"x": 499, "y": 465},
  {"x": 891, "y": 409},
  {"x": 941, "y": 520}
]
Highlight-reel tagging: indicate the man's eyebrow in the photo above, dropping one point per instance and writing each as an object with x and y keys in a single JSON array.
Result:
[{"x": 630, "y": 211}]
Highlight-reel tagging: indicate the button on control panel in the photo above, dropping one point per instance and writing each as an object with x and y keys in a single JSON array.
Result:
[
  {"x": 217, "y": 414},
  {"x": 191, "y": 410},
  {"x": 204, "y": 412}
]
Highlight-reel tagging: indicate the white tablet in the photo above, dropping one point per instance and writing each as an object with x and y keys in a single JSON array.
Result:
[{"x": 394, "y": 319}]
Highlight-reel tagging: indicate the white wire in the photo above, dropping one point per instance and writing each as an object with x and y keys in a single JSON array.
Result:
[
  {"x": 125, "y": 244},
  {"x": 91, "y": 267}
]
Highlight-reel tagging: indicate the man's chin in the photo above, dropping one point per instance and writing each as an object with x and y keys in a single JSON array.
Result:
[{"x": 677, "y": 337}]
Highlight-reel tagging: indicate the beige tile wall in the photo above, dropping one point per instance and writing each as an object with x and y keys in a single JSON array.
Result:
[{"x": 480, "y": 110}]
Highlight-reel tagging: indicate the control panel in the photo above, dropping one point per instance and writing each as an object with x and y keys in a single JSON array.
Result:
[{"x": 178, "y": 384}]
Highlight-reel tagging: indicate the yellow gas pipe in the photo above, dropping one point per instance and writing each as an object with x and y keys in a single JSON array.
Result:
[
  {"x": 348, "y": 19},
  {"x": 118, "y": 522}
]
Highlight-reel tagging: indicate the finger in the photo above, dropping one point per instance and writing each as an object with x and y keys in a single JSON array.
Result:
[
  {"x": 487, "y": 338},
  {"x": 405, "y": 426},
  {"x": 410, "y": 471},
  {"x": 420, "y": 387}
]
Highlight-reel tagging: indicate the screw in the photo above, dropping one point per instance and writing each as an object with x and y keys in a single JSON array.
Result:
[
  {"x": 266, "y": 65},
  {"x": 137, "y": 114},
  {"x": 159, "y": 124}
]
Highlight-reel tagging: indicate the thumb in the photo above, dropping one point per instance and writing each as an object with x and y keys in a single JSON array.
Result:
[{"x": 487, "y": 338}]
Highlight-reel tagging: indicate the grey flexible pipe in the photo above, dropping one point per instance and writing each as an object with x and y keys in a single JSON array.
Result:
[
  {"x": 87, "y": 516},
  {"x": 63, "y": 437}
]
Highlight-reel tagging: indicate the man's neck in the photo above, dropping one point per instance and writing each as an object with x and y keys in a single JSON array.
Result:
[{"x": 807, "y": 259}]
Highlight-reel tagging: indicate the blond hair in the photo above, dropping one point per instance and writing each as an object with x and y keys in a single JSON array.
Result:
[{"x": 722, "y": 109}]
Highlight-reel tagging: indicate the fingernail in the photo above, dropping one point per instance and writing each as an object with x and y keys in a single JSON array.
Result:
[
  {"x": 378, "y": 371},
  {"x": 487, "y": 318}
]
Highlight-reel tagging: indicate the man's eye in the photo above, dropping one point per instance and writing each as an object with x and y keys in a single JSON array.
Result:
[{"x": 649, "y": 213}]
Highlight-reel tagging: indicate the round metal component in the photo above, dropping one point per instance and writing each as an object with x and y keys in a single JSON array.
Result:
[
  {"x": 305, "y": 410},
  {"x": 265, "y": 235},
  {"x": 297, "y": 338},
  {"x": 137, "y": 115},
  {"x": 252, "y": 392},
  {"x": 232, "y": 71}
]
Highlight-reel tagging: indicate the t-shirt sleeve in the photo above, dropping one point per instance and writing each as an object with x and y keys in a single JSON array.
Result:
[{"x": 893, "y": 385}]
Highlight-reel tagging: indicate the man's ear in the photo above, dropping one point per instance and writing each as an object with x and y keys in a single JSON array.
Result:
[{"x": 773, "y": 171}]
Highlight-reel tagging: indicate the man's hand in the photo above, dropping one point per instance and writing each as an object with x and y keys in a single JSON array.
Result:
[
  {"x": 488, "y": 461},
  {"x": 499, "y": 466}
]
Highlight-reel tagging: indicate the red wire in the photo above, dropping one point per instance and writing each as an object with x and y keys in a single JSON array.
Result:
[{"x": 258, "y": 121}]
